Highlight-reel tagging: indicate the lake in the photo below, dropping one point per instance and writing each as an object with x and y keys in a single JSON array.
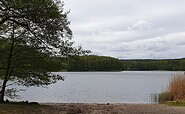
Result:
[{"x": 102, "y": 87}]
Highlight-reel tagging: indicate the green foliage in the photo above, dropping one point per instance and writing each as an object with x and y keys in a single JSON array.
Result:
[
  {"x": 165, "y": 96},
  {"x": 146, "y": 65},
  {"x": 93, "y": 63},
  {"x": 167, "y": 99},
  {"x": 29, "y": 66},
  {"x": 174, "y": 103},
  {"x": 103, "y": 63},
  {"x": 37, "y": 23},
  {"x": 32, "y": 34}
]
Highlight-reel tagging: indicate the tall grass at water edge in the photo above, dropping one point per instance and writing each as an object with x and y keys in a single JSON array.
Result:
[
  {"x": 177, "y": 87},
  {"x": 175, "y": 90}
]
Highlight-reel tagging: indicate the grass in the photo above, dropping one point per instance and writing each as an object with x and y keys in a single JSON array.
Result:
[
  {"x": 174, "y": 103},
  {"x": 177, "y": 87},
  {"x": 175, "y": 94},
  {"x": 165, "y": 96}
]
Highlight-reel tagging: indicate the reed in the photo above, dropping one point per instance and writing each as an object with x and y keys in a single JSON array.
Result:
[
  {"x": 177, "y": 87},
  {"x": 164, "y": 96}
]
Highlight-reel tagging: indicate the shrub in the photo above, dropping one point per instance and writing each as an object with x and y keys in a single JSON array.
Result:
[{"x": 165, "y": 96}]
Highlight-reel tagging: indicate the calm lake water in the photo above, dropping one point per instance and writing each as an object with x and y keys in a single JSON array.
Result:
[{"x": 102, "y": 87}]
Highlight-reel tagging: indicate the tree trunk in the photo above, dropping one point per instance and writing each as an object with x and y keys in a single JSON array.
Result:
[
  {"x": 7, "y": 73},
  {"x": 3, "y": 91}
]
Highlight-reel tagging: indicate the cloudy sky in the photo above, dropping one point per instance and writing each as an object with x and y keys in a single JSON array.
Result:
[{"x": 129, "y": 29}]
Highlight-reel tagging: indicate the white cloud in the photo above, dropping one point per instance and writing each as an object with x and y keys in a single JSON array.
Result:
[
  {"x": 129, "y": 28},
  {"x": 136, "y": 31},
  {"x": 140, "y": 25},
  {"x": 168, "y": 46}
]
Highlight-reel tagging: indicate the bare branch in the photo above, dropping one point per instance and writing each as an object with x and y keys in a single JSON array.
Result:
[
  {"x": 20, "y": 35},
  {"x": 22, "y": 24},
  {"x": 11, "y": 84},
  {"x": 3, "y": 20},
  {"x": 3, "y": 2}
]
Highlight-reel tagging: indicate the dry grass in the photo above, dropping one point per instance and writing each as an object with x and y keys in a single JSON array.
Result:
[{"x": 177, "y": 87}]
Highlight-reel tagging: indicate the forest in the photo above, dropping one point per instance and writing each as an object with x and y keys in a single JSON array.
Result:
[
  {"x": 104, "y": 63},
  {"x": 94, "y": 63},
  {"x": 151, "y": 64}
]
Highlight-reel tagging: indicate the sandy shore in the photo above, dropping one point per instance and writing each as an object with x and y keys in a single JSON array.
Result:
[{"x": 80, "y": 108}]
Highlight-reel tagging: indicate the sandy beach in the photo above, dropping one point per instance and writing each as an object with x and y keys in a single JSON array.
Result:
[
  {"x": 85, "y": 108},
  {"x": 61, "y": 108}
]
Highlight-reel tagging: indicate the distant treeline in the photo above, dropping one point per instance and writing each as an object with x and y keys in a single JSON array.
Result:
[
  {"x": 94, "y": 63},
  {"x": 103, "y": 63},
  {"x": 146, "y": 65}
]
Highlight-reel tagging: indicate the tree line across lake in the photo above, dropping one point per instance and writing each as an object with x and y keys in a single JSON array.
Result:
[{"x": 104, "y": 63}]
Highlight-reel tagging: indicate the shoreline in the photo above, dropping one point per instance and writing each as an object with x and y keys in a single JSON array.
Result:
[
  {"x": 117, "y": 108},
  {"x": 90, "y": 108}
]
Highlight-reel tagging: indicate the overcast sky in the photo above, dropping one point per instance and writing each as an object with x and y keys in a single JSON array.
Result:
[{"x": 129, "y": 29}]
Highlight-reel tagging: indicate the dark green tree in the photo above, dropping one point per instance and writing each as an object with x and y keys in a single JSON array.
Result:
[{"x": 31, "y": 33}]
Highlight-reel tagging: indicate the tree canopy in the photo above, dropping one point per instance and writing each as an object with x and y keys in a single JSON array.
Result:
[
  {"x": 31, "y": 33},
  {"x": 37, "y": 23}
]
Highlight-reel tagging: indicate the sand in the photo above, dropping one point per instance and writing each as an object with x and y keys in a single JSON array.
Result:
[{"x": 80, "y": 108}]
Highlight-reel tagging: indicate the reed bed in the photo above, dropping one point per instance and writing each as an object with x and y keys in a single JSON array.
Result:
[
  {"x": 175, "y": 91},
  {"x": 177, "y": 87}
]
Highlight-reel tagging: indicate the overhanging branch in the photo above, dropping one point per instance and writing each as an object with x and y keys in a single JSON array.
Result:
[
  {"x": 11, "y": 84},
  {"x": 22, "y": 24},
  {"x": 3, "y": 20}
]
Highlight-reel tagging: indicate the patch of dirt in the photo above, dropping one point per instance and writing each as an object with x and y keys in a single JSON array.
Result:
[{"x": 78, "y": 108}]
